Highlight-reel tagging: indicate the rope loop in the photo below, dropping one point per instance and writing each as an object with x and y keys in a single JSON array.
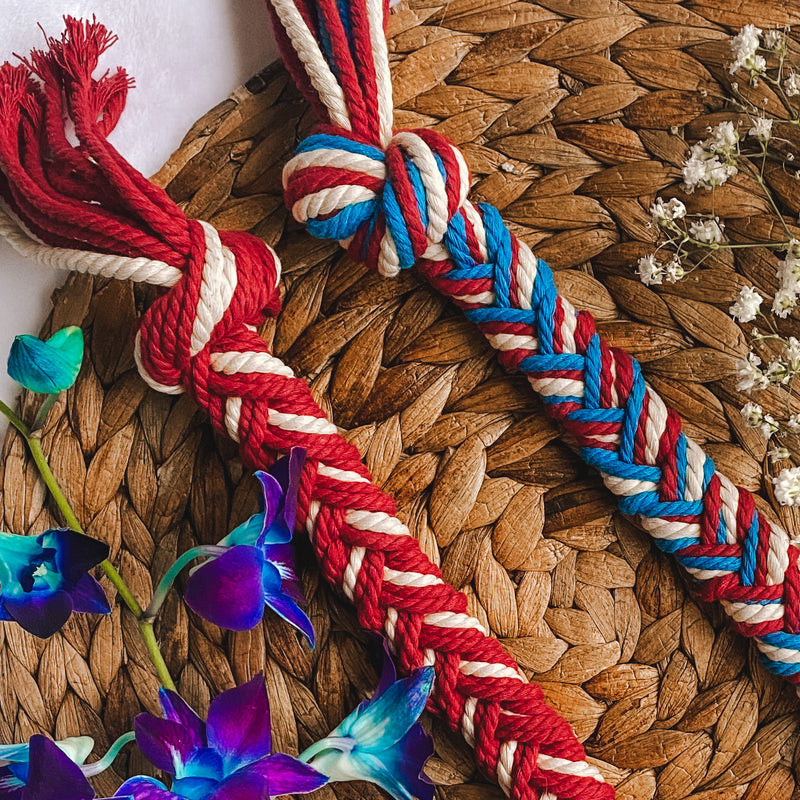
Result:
[
  {"x": 228, "y": 287},
  {"x": 390, "y": 207}
]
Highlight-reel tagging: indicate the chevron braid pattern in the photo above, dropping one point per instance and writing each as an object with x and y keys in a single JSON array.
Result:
[
  {"x": 398, "y": 200},
  {"x": 198, "y": 337}
]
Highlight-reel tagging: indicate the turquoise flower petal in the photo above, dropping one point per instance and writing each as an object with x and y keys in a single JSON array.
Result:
[{"x": 47, "y": 367}]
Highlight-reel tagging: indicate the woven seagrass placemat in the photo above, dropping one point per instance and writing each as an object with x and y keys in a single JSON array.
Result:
[{"x": 563, "y": 110}]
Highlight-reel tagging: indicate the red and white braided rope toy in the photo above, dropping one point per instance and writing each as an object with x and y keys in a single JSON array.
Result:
[
  {"x": 84, "y": 208},
  {"x": 397, "y": 200}
]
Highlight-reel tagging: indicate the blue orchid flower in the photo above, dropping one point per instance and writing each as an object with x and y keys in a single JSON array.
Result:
[
  {"x": 44, "y": 578},
  {"x": 381, "y": 741},
  {"x": 257, "y": 570},
  {"x": 226, "y": 758},
  {"x": 45, "y": 770},
  {"x": 47, "y": 367},
  {"x": 15, "y": 762}
]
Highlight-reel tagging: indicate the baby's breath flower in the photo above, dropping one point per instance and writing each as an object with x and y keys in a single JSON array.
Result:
[
  {"x": 783, "y": 303},
  {"x": 724, "y": 138},
  {"x": 773, "y": 40},
  {"x": 750, "y": 376},
  {"x": 747, "y": 304},
  {"x": 777, "y": 372},
  {"x": 787, "y": 486},
  {"x": 744, "y": 46},
  {"x": 793, "y": 423},
  {"x": 704, "y": 167},
  {"x": 792, "y": 85},
  {"x": 778, "y": 454},
  {"x": 666, "y": 212},
  {"x": 707, "y": 231},
  {"x": 674, "y": 270},
  {"x": 769, "y": 426},
  {"x": 752, "y": 413},
  {"x": 791, "y": 353},
  {"x": 761, "y": 129},
  {"x": 650, "y": 271}
]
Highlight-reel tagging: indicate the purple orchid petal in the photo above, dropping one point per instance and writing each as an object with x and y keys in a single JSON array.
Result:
[
  {"x": 271, "y": 500},
  {"x": 287, "y": 775},
  {"x": 76, "y": 553},
  {"x": 388, "y": 671},
  {"x": 297, "y": 460},
  {"x": 238, "y": 726},
  {"x": 400, "y": 705},
  {"x": 10, "y": 784},
  {"x": 88, "y": 597},
  {"x": 282, "y": 557},
  {"x": 53, "y": 775},
  {"x": 284, "y": 606},
  {"x": 227, "y": 590},
  {"x": 176, "y": 709},
  {"x": 144, "y": 788},
  {"x": 165, "y": 743},
  {"x": 404, "y": 764},
  {"x": 41, "y": 614},
  {"x": 241, "y": 786}
]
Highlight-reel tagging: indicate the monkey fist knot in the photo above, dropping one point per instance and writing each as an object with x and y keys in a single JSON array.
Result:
[
  {"x": 388, "y": 207},
  {"x": 229, "y": 285}
]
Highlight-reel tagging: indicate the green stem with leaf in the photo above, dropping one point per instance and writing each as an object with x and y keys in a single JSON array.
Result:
[{"x": 33, "y": 439}]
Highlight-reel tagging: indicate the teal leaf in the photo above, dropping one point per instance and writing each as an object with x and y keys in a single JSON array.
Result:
[{"x": 47, "y": 367}]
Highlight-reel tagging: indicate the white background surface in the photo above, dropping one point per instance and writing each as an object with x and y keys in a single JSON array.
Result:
[{"x": 185, "y": 55}]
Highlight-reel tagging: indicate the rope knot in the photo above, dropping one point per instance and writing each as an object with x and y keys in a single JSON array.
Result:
[
  {"x": 229, "y": 285},
  {"x": 388, "y": 207}
]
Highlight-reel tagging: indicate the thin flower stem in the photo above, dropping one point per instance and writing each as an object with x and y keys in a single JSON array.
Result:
[
  {"x": 102, "y": 764},
  {"x": 34, "y": 442},
  {"x": 165, "y": 584},
  {"x": 44, "y": 411},
  {"x": 149, "y": 636}
]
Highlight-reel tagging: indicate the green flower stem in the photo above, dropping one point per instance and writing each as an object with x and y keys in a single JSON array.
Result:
[
  {"x": 165, "y": 584},
  {"x": 102, "y": 764},
  {"x": 34, "y": 442},
  {"x": 44, "y": 410},
  {"x": 149, "y": 636}
]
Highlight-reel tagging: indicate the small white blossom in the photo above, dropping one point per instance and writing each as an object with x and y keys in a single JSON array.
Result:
[
  {"x": 747, "y": 304},
  {"x": 778, "y": 454},
  {"x": 791, "y": 352},
  {"x": 650, "y": 271},
  {"x": 750, "y": 376},
  {"x": 752, "y": 413},
  {"x": 724, "y": 138},
  {"x": 704, "y": 167},
  {"x": 744, "y": 46},
  {"x": 773, "y": 40},
  {"x": 674, "y": 270},
  {"x": 777, "y": 372},
  {"x": 768, "y": 426},
  {"x": 761, "y": 129},
  {"x": 707, "y": 231},
  {"x": 793, "y": 423},
  {"x": 787, "y": 486},
  {"x": 666, "y": 212},
  {"x": 783, "y": 303},
  {"x": 792, "y": 85}
]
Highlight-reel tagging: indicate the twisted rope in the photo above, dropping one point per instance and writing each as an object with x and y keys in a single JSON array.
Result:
[
  {"x": 401, "y": 202},
  {"x": 199, "y": 337}
]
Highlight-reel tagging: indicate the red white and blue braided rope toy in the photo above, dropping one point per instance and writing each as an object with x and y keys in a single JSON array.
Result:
[
  {"x": 397, "y": 200},
  {"x": 82, "y": 207}
]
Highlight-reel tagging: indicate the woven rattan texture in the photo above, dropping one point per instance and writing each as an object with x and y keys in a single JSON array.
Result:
[{"x": 563, "y": 110}]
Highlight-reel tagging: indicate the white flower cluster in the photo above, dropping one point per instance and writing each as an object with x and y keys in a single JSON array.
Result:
[
  {"x": 665, "y": 213},
  {"x": 747, "y": 305},
  {"x": 754, "y": 417},
  {"x": 712, "y": 161},
  {"x": 745, "y": 46},
  {"x": 651, "y": 273},
  {"x": 792, "y": 85},
  {"x": 779, "y": 371},
  {"x": 761, "y": 129},
  {"x": 789, "y": 276},
  {"x": 787, "y": 486},
  {"x": 707, "y": 231}
]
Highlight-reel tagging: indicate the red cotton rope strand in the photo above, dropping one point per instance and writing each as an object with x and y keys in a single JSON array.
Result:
[{"x": 82, "y": 207}]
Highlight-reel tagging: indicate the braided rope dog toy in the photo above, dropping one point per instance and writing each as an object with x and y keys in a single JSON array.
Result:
[
  {"x": 397, "y": 200},
  {"x": 84, "y": 208}
]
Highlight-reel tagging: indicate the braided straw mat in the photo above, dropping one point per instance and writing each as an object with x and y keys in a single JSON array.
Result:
[{"x": 563, "y": 110}]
